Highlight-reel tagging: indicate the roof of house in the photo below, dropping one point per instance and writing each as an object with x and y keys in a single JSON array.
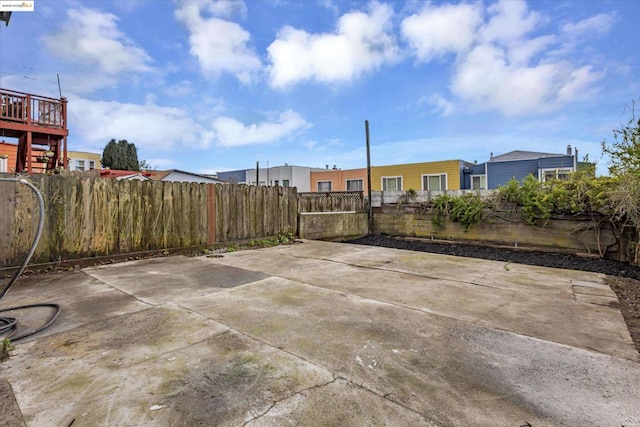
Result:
[
  {"x": 160, "y": 175},
  {"x": 114, "y": 173},
  {"x": 139, "y": 176},
  {"x": 522, "y": 155}
]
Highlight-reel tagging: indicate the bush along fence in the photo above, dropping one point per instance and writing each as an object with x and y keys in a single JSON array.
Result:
[
  {"x": 86, "y": 217},
  {"x": 582, "y": 214}
]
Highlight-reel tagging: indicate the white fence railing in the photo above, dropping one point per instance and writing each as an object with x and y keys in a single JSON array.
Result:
[{"x": 380, "y": 198}]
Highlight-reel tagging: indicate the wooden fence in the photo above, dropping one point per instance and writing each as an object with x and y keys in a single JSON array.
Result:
[
  {"x": 91, "y": 216},
  {"x": 335, "y": 201}
]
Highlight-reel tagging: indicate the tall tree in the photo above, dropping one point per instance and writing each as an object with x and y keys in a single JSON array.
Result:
[
  {"x": 121, "y": 155},
  {"x": 625, "y": 167}
]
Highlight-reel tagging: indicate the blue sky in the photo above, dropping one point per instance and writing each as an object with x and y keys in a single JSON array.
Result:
[{"x": 215, "y": 85}]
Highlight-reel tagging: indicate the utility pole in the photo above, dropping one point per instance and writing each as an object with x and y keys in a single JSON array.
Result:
[{"x": 366, "y": 127}]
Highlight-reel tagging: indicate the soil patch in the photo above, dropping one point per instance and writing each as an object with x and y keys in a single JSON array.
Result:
[{"x": 624, "y": 279}]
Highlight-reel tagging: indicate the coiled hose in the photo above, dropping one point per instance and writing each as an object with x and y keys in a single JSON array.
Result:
[{"x": 9, "y": 325}]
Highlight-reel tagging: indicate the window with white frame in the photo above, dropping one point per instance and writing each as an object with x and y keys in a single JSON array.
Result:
[
  {"x": 92, "y": 165},
  {"x": 80, "y": 165},
  {"x": 434, "y": 182},
  {"x": 324, "y": 186},
  {"x": 355, "y": 184},
  {"x": 551, "y": 174},
  {"x": 4, "y": 164},
  {"x": 478, "y": 182},
  {"x": 391, "y": 183},
  {"x": 285, "y": 182}
]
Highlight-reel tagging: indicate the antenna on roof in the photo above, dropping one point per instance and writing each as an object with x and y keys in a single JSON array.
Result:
[{"x": 59, "y": 88}]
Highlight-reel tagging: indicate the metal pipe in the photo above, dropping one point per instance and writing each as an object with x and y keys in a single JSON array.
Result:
[{"x": 366, "y": 127}]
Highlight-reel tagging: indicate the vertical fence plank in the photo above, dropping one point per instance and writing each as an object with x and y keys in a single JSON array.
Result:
[
  {"x": 125, "y": 226},
  {"x": 212, "y": 226},
  {"x": 7, "y": 222},
  {"x": 137, "y": 223}
]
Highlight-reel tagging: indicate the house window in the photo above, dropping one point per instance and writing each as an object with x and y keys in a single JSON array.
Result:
[
  {"x": 478, "y": 182},
  {"x": 434, "y": 182},
  {"x": 276, "y": 183},
  {"x": 80, "y": 165},
  {"x": 391, "y": 183},
  {"x": 92, "y": 165},
  {"x": 550, "y": 174},
  {"x": 285, "y": 182},
  {"x": 4, "y": 164},
  {"x": 324, "y": 186},
  {"x": 354, "y": 184}
]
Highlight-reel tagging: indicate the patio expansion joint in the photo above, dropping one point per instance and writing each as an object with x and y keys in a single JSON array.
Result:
[
  {"x": 124, "y": 292},
  {"x": 368, "y": 267}
]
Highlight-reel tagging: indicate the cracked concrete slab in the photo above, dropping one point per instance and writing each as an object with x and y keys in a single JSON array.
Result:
[
  {"x": 527, "y": 300},
  {"x": 322, "y": 334}
]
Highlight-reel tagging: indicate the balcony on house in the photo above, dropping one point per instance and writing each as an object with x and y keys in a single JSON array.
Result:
[{"x": 40, "y": 125}]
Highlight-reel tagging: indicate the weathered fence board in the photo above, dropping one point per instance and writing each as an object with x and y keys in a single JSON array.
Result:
[
  {"x": 336, "y": 201},
  {"x": 86, "y": 216}
]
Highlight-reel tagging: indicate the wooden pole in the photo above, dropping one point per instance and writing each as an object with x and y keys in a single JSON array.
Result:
[{"x": 366, "y": 127}]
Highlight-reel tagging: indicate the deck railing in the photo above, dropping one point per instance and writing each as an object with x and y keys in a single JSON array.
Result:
[{"x": 32, "y": 109}]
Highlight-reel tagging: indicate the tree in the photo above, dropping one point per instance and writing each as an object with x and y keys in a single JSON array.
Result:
[
  {"x": 625, "y": 168},
  {"x": 121, "y": 155},
  {"x": 625, "y": 150}
]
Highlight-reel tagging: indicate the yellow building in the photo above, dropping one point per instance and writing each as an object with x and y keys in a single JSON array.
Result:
[
  {"x": 83, "y": 161},
  {"x": 434, "y": 176}
]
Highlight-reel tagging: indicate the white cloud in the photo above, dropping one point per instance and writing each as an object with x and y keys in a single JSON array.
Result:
[
  {"x": 440, "y": 103},
  {"x": 92, "y": 38},
  {"x": 486, "y": 79},
  {"x": 219, "y": 45},
  {"x": 148, "y": 126},
  {"x": 438, "y": 30},
  {"x": 229, "y": 132},
  {"x": 580, "y": 84},
  {"x": 227, "y": 8},
  {"x": 361, "y": 42},
  {"x": 599, "y": 24},
  {"x": 510, "y": 20},
  {"x": 499, "y": 64}
]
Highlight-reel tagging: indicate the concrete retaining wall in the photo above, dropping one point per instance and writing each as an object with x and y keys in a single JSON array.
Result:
[
  {"x": 559, "y": 233},
  {"x": 332, "y": 225}
]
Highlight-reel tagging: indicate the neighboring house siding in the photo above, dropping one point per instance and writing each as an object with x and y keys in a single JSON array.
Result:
[
  {"x": 10, "y": 150},
  {"x": 471, "y": 170},
  {"x": 412, "y": 174},
  {"x": 76, "y": 158},
  {"x": 555, "y": 162},
  {"x": 298, "y": 176},
  {"x": 339, "y": 178},
  {"x": 234, "y": 177},
  {"x": 499, "y": 173}
]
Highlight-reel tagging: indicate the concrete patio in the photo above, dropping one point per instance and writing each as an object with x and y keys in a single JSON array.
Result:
[{"x": 321, "y": 333}]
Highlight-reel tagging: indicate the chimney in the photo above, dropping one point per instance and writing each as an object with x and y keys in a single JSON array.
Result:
[
  {"x": 491, "y": 155},
  {"x": 335, "y": 168},
  {"x": 569, "y": 150},
  {"x": 326, "y": 166}
]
